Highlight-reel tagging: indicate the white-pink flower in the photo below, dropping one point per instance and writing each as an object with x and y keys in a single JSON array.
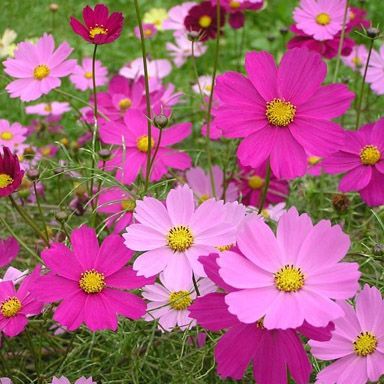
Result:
[
  {"x": 81, "y": 77},
  {"x": 375, "y": 73},
  {"x": 176, "y": 16},
  {"x": 54, "y": 108},
  {"x": 12, "y": 135},
  {"x": 357, "y": 58}
]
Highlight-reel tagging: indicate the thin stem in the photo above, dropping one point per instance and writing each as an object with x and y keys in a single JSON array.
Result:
[
  {"x": 363, "y": 84},
  {"x": 341, "y": 42},
  {"x": 147, "y": 97},
  {"x": 195, "y": 285},
  {"x": 196, "y": 72},
  {"x": 210, "y": 102},
  {"x": 265, "y": 189},
  {"x": 28, "y": 220},
  {"x": 40, "y": 210},
  {"x": 156, "y": 150}
]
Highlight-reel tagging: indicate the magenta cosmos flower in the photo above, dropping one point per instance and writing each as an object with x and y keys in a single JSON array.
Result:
[
  {"x": 362, "y": 160},
  {"x": 54, "y": 108},
  {"x": 38, "y": 68},
  {"x": 64, "y": 380},
  {"x": 89, "y": 281},
  {"x": 357, "y": 343},
  {"x": 282, "y": 112},
  {"x": 16, "y": 306},
  {"x": 322, "y": 19},
  {"x": 11, "y": 135},
  {"x": 10, "y": 173},
  {"x": 290, "y": 278},
  {"x": 9, "y": 249},
  {"x": 130, "y": 158},
  {"x": 169, "y": 301},
  {"x": 272, "y": 352},
  {"x": 99, "y": 27},
  {"x": 149, "y": 31},
  {"x": 81, "y": 76},
  {"x": 118, "y": 204},
  {"x": 175, "y": 235}
]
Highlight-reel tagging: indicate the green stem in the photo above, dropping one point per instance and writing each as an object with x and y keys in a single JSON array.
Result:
[
  {"x": 40, "y": 210},
  {"x": 341, "y": 42},
  {"x": 363, "y": 85},
  {"x": 156, "y": 150},
  {"x": 196, "y": 72},
  {"x": 147, "y": 97},
  {"x": 265, "y": 189}
]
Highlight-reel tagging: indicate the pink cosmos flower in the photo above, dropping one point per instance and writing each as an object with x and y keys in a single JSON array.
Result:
[
  {"x": 131, "y": 157},
  {"x": 274, "y": 212},
  {"x": 149, "y": 31},
  {"x": 205, "y": 84},
  {"x": 169, "y": 301},
  {"x": 14, "y": 275},
  {"x": 9, "y": 249},
  {"x": 362, "y": 160},
  {"x": 176, "y": 16},
  {"x": 181, "y": 50},
  {"x": 119, "y": 205},
  {"x": 357, "y": 342},
  {"x": 64, "y": 380},
  {"x": 375, "y": 74},
  {"x": 81, "y": 76},
  {"x": 11, "y": 135},
  {"x": 38, "y": 68},
  {"x": 315, "y": 166},
  {"x": 357, "y": 19},
  {"x": 357, "y": 58},
  {"x": 156, "y": 69},
  {"x": 290, "y": 278},
  {"x": 272, "y": 352},
  {"x": 282, "y": 112},
  {"x": 5, "y": 380},
  {"x": 16, "y": 306},
  {"x": 200, "y": 183},
  {"x": 175, "y": 235},
  {"x": 55, "y": 108},
  {"x": 322, "y": 19},
  {"x": 90, "y": 281}
]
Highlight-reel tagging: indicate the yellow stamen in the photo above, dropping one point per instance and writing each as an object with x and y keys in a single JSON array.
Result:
[
  {"x": 88, "y": 75},
  {"x": 323, "y": 19},
  {"x": 280, "y": 113},
  {"x": 143, "y": 144},
  {"x": 41, "y": 71},
  {"x": 205, "y": 21},
  {"x": 203, "y": 198},
  {"x": 10, "y": 307},
  {"x": 255, "y": 182},
  {"x": 313, "y": 160},
  {"x": 97, "y": 30},
  {"x": 147, "y": 32},
  {"x": 357, "y": 61},
  {"x": 5, "y": 180},
  {"x": 92, "y": 281},
  {"x": 48, "y": 108},
  {"x": 6, "y": 135},
  {"x": 125, "y": 103},
  {"x": 179, "y": 238},
  {"x": 370, "y": 155},
  {"x": 365, "y": 344},
  {"x": 128, "y": 205},
  {"x": 234, "y": 4},
  {"x": 46, "y": 151},
  {"x": 180, "y": 300},
  {"x": 289, "y": 279},
  {"x": 224, "y": 248}
]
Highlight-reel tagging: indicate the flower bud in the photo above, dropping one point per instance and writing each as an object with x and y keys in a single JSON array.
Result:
[
  {"x": 160, "y": 121},
  {"x": 53, "y": 7},
  {"x": 33, "y": 174},
  {"x": 378, "y": 249},
  {"x": 373, "y": 32},
  {"x": 193, "y": 36},
  {"x": 283, "y": 30},
  {"x": 61, "y": 216},
  {"x": 104, "y": 154},
  {"x": 340, "y": 202}
]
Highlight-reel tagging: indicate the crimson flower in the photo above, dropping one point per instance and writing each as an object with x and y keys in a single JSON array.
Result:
[{"x": 10, "y": 173}]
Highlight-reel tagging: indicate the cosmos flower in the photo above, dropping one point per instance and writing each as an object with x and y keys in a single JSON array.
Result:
[
  {"x": 362, "y": 160},
  {"x": 375, "y": 73},
  {"x": 54, "y": 108},
  {"x": 7, "y": 47},
  {"x": 157, "y": 69},
  {"x": 204, "y": 84},
  {"x": 173, "y": 236},
  {"x": 9, "y": 249},
  {"x": 10, "y": 173},
  {"x": 149, "y": 31},
  {"x": 81, "y": 76},
  {"x": 64, "y": 380},
  {"x": 156, "y": 16},
  {"x": 357, "y": 59},
  {"x": 322, "y": 19},
  {"x": 12, "y": 135},
  {"x": 291, "y": 277},
  {"x": 169, "y": 301},
  {"x": 88, "y": 278},
  {"x": 130, "y": 158},
  {"x": 282, "y": 112},
  {"x": 357, "y": 343},
  {"x": 99, "y": 27},
  {"x": 14, "y": 275},
  {"x": 176, "y": 16},
  {"x": 38, "y": 68}
]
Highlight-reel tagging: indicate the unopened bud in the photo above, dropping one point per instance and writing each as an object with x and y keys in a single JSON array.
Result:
[
  {"x": 53, "y": 7},
  {"x": 61, "y": 216},
  {"x": 378, "y": 249},
  {"x": 59, "y": 170},
  {"x": 105, "y": 154},
  {"x": 160, "y": 121},
  {"x": 340, "y": 202},
  {"x": 373, "y": 32},
  {"x": 33, "y": 174},
  {"x": 271, "y": 38},
  {"x": 283, "y": 30},
  {"x": 193, "y": 36}
]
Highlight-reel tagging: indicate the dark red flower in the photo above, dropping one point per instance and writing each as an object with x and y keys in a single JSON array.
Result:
[
  {"x": 202, "y": 18},
  {"x": 10, "y": 173},
  {"x": 357, "y": 19},
  {"x": 99, "y": 28}
]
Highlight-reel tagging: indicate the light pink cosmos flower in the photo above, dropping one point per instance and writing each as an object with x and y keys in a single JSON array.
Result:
[
  {"x": 181, "y": 50},
  {"x": 169, "y": 301},
  {"x": 204, "y": 84},
  {"x": 357, "y": 59},
  {"x": 290, "y": 278},
  {"x": 375, "y": 74},
  {"x": 274, "y": 212},
  {"x": 357, "y": 343},
  {"x": 12, "y": 135},
  {"x": 38, "y": 68},
  {"x": 176, "y": 16},
  {"x": 156, "y": 69},
  {"x": 54, "y": 108},
  {"x": 119, "y": 205},
  {"x": 130, "y": 158},
  {"x": 90, "y": 281},
  {"x": 149, "y": 31},
  {"x": 64, "y": 380},
  {"x": 175, "y": 235},
  {"x": 81, "y": 76},
  {"x": 14, "y": 275},
  {"x": 322, "y": 19},
  {"x": 362, "y": 160},
  {"x": 282, "y": 112},
  {"x": 200, "y": 183},
  {"x": 16, "y": 306},
  {"x": 5, "y": 380},
  {"x": 9, "y": 249}
]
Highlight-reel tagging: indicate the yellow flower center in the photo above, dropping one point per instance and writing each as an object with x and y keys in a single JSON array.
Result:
[
  {"x": 46, "y": 151},
  {"x": 365, "y": 344},
  {"x": 147, "y": 32},
  {"x": 265, "y": 213},
  {"x": 6, "y": 135},
  {"x": 10, "y": 307},
  {"x": 357, "y": 61},
  {"x": 260, "y": 323},
  {"x": 179, "y": 238},
  {"x": 143, "y": 144},
  {"x": 203, "y": 198},
  {"x": 208, "y": 87},
  {"x": 323, "y": 19},
  {"x": 88, "y": 75},
  {"x": 180, "y": 300},
  {"x": 92, "y": 281},
  {"x": 97, "y": 30},
  {"x": 125, "y": 103},
  {"x": 48, "y": 108},
  {"x": 224, "y": 248},
  {"x": 205, "y": 21},
  {"x": 313, "y": 160},
  {"x": 280, "y": 113},
  {"x": 289, "y": 279},
  {"x": 41, "y": 71},
  {"x": 351, "y": 15},
  {"x": 5, "y": 180},
  {"x": 128, "y": 205},
  {"x": 234, "y": 4},
  {"x": 255, "y": 182},
  {"x": 370, "y": 155}
]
